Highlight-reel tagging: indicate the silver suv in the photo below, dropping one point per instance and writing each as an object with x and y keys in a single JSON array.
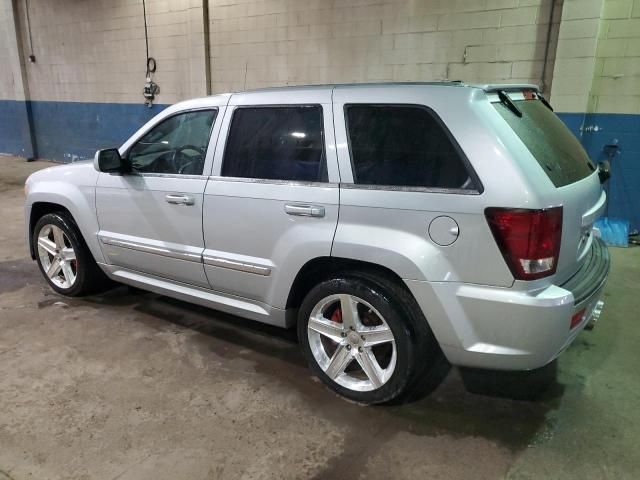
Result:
[{"x": 392, "y": 224}]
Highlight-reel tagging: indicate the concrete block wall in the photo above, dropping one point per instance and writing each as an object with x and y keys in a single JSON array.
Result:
[
  {"x": 616, "y": 86},
  {"x": 85, "y": 89},
  {"x": 597, "y": 85},
  {"x": 15, "y": 116},
  {"x": 94, "y": 51},
  {"x": 277, "y": 42},
  {"x": 613, "y": 113},
  {"x": 7, "y": 82},
  {"x": 575, "y": 55}
]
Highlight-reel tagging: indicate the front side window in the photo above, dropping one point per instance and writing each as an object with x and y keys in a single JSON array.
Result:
[
  {"x": 276, "y": 143},
  {"x": 403, "y": 145},
  {"x": 177, "y": 145}
]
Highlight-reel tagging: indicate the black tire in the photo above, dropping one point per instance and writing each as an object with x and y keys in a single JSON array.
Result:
[
  {"x": 89, "y": 277},
  {"x": 418, "y": 352}
]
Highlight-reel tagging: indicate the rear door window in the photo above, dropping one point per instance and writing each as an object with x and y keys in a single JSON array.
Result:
[
  {"x": 551, "y": 143},
  {"x": 276, "y": 143},
  {"x": 403, "y": 145}
]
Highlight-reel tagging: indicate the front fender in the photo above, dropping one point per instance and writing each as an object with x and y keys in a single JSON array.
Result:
[{"x": 79, "y": 200}]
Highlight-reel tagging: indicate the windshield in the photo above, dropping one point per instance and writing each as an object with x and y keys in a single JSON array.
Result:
[{"x": 556, "y": 149}]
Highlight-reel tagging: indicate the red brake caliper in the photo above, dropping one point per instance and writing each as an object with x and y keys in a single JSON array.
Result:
[{"x": 336, "y": 316}]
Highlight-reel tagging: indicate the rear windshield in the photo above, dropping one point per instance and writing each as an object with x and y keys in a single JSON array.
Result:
[{"x": 556, "y": 149}]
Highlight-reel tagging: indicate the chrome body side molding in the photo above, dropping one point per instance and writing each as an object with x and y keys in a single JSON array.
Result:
[
  {"x": 235, "y": 265},
  {"x": 215, "y": 261},
  {"x": 147, "y": 248}
]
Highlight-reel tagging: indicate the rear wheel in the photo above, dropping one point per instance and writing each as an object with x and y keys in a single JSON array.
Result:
[
  {"x": 63, "y": 257},
  {"x": 366, "y": 338}
]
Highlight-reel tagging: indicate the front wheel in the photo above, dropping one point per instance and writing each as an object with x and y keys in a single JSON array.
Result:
[
  {"x": 365, "y": 338},
  {"x": 63, "y": 257}
]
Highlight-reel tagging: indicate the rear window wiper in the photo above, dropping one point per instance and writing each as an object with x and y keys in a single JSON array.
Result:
[
  {"x": 544, "y": 101},
  {"x": 507, "y": 102}
]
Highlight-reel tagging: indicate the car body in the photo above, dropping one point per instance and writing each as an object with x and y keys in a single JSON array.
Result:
[{"x": 198, "y": 230}]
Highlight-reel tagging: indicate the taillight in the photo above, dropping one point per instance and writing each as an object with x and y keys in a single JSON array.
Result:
[{"x": 528, "y": 239}]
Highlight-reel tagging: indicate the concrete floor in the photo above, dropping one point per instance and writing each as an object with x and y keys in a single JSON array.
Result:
[{"x": 130, "y": 385}]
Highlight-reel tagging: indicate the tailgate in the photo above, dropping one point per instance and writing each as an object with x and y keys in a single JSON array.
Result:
[
  {"x": 566, "y": 164},
  {"x": 583, "y": 203}
]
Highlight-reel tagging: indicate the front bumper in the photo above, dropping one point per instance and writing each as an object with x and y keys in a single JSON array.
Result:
[
  {"x": 500, "y": 328},
  {"x": 27, "y": 231}
]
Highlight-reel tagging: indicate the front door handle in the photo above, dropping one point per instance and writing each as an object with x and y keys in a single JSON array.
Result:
[
  {"x": 180, "y": 199},
  {"x": 304, "y": 210}
]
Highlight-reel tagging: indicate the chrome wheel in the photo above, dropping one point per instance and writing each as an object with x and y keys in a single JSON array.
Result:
[
  {"x": 57, "y": 256},
  {"x": 351, "y": 342}
]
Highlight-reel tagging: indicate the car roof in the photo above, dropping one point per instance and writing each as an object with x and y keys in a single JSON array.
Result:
[
  {"x": 322, "y": 90},
  {"x": 364, "y": 85}
]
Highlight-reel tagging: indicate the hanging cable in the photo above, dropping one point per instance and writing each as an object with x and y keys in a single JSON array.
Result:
[
  {"x": 151, "y": 88},
  {"x": 32, "y": 57},
  {"x": 151, "y": 65},
  {"x": 146, "y": 32}
]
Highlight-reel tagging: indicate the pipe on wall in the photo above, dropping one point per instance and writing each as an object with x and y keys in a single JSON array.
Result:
[
  {"x": 547, "y": 48},
  {"x": 207, "y": 46}
]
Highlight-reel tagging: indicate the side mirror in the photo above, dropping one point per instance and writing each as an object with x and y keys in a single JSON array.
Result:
[{"x": 109, "y": 161}]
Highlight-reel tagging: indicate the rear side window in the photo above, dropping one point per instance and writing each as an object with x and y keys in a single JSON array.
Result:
[
  {"x": 554, "y": 147},
  {"x": 403, "y": 145},
  {"x": 276, "y": 143}
]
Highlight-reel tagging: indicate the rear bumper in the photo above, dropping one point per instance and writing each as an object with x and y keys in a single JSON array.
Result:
[
  {"x": 592, "y": 275},
  {"x": 500, "y": 328}
]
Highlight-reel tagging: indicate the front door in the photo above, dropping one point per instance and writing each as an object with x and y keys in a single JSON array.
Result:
[
  {"x": 272, "y": 202},
  {"x": 151, "y": 220}
]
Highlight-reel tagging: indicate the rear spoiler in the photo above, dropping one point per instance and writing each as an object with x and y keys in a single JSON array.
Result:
[
  {"x": 502, "y": 89},
  {"x": 508, "y": 87}
]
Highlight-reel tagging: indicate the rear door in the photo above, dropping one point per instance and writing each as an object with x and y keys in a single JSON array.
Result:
[
  {"x": 574, "y": 180},
  {"x": 272, "y": 202}
]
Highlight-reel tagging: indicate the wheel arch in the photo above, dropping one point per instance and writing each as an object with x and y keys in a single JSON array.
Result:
[
  {"x": 76, "y": 203},
  {"x": 321, "y": 268},
  {"x": 38, "y": 210}
]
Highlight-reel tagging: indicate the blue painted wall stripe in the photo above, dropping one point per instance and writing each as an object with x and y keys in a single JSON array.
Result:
[
  {"x": 596, "y": 130},
  {"x": 67, "y": 131},
  {"x": 70, "y": 130},
  {"x": 15, "y": 135}
]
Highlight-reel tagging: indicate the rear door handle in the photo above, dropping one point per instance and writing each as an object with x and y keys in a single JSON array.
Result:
[
  {"x": 180, "y": 199},
  {"x": 304, "y": 210}
]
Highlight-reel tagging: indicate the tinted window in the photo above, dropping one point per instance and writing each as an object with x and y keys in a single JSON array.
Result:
[
  {"x": 176, "y": 145},
  {"x": 555, "y": 148},
  {"x": 403, "y": 146},
  {"x": 277, "y": 143}
]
